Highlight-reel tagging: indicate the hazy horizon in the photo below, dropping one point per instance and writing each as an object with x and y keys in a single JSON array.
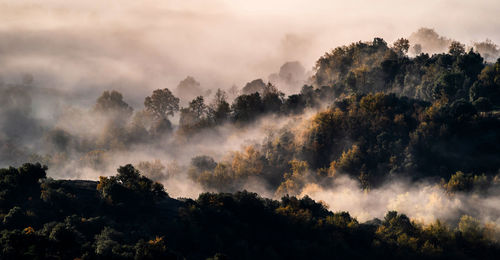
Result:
[{"x": 135, "y": 47}]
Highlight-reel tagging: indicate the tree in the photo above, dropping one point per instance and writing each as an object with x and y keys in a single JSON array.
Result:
[
  {"x": 257, "y": 85},
  {"x": 401, "y": 46},
  {"x": 160, "y": 127},
  {"x": 106, "y": 242},
  {"x": 448, "y": 85},
  {"x": 200, "y": 165},
  {"x": 162, "y": 103},
  {"x": 154, "y": 249},
  {"x": 195, "y": 115},
  {"x": 21, "y": 184},
  {"x": 112, "y": 102},
  {"x": 247, "y": 107},
  {"x": 292, "y": 72},
  {"x": 15, "y": 218},
  {"x": 273, "y": 98},
  {"x": 488, "y": 85},
  {"x": 482, "y": 104},
  {"x": 188, "y": 88},
  {"x": 395, "y": 225},
  {"x": 488, "y": 49},
  {"x": 129, "y": 186},
  {"x": 198, "y": 108},
  {"x": 294, "y": 181},
  {"x": 429, "y": 40},
  {"x": 219, "y": 110},
  {"x": 203, "y": 163},
  {"x": 470, "y": 228},
  {"x": 456, "y": 48},
  {"x": 154, "y": 170},
  {"x": 349, "y": 162},
  {"x": 458, "y": 182}
]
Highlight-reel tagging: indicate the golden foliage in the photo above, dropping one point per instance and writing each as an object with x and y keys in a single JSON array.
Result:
[{"x": 29, "y": 231}]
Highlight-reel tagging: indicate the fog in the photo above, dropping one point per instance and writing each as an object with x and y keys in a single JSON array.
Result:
[
  {"x": 421, "y": 201},
  {"x": 135, "y": 47}
]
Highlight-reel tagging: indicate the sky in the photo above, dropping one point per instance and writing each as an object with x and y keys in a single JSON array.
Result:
[{"x": 138, "y": 46}]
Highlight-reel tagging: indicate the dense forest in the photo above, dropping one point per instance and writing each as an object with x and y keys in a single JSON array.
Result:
[
  {"x": 128, "y": 216},
  {"x": 370, "y": 112}
]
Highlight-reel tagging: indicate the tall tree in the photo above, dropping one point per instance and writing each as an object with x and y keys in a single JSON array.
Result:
[
  {"x": 162, "y": 103},
  {"x": 219, "y": 110},
  {"x": 401, "y": 46},
  {"x": 456, "y": 48},
  {"x": 195, "y": 115},
  {"x": 112, "y": 101}
]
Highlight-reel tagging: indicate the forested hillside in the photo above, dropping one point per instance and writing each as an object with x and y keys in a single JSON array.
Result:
[
  {"x": 128, "y": 216},
  {"x": 369, "y": 112}
]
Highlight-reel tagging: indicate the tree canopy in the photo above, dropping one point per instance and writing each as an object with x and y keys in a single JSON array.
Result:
[{"x": 162, "y": 103}]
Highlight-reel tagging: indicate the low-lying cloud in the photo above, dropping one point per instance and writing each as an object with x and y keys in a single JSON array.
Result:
[{"x": 421, "y": 201}]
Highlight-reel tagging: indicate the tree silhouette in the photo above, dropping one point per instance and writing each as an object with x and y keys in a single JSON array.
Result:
[{"x": 162, "y": 103}]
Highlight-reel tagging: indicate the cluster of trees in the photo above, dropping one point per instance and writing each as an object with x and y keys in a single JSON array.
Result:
[
  {"x": 123, "y": 127},
  {"x": 376, "y": 67},
  {"x": 388, "y": 114},
  {"x": 427, "y": 40},
  {"x": 370, "y": 137},
  {"x": 468, "y": 182},
  {"x": 360, "y": 68},
  {"x": 130, "y": 187},
  {"x": 89, "y": 136},
  {"x": 55, "y": 219}
]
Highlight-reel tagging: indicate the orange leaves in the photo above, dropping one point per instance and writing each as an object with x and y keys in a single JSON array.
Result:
[{"x": 28, "y": 231}]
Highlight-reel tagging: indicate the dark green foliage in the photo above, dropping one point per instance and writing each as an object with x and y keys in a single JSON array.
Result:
[
  {"x": 20, "y": 186},
  {"x": 483, "y": 104},
  {"x": 373, "y": 67},
  {"x": 130, "y": 188},
  {"x": 15, "y": 218},
  {"x": 247, "y": 107},
  {"x": 154, "y": 249},
  {"x": 226, "y": 226},
  {"x": 488, "y": 85}
]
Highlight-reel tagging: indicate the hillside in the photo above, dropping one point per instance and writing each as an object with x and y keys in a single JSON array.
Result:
[
  {"x": 373, "y": 124},
  {"x": 128, "y": 216}
]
